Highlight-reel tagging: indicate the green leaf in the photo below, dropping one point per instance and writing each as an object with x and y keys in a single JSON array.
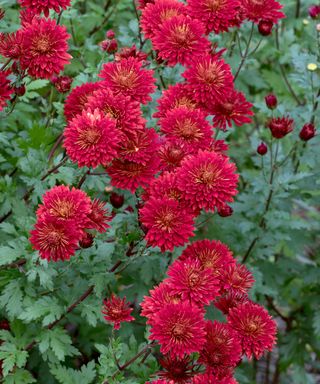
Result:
[
  {"x": 11, "y": 357},
  {"x": 20, "y": 376},
  {"x": 64, "y": 375},
  {"x": 37, "y": 84},
  {"x": 11, "y": 298},
  {"x": 58, "y": 342}
]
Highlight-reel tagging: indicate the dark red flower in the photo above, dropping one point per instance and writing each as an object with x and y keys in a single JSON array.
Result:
[
  {"x": 230, "y": 300},
  {"x": 280, "y": 126},
  {"x": 225, "y": 211},
  {"x": 62, "y": 83},
  {"x": 132, "y": 51},
  {"x": 307, "y": 132},
  {"x": 178, "y": 370},
  {"x": 256, "y": 10},
  {"x": 314, "y": 11},
  {"x": 265, "y": 27},
  {"x": 271, "y": 101},
  {"x": 44, "y": 6},
  {"x": 116, "y": 200},
  {"x": 11, "y": 44},
  {"x": 171, "y": 154},
  {"x": 116, "y": 311},
  {"x": 5, "y": 89},
  {"x": 99, "y": 216},
  {"x": 262, "y": 149},
  {"x": 110, "y": 46},
  {"x": 86, "y": 240},
  {"x": 236, "y": 278}
]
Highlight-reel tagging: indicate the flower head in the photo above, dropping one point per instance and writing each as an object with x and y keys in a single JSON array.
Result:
[
  {"x": 171, "y": 154},
  {"x": 280, "y": 126},
  {"x": 99, "y": 216},
  {"x": 11, "y": 44},
  {"x": 44, "y": 6},
  {"x": 116, "y": 311},
  {"x": 164, "y": 186},
  {"x": 62, "y": 83},
  {"x": 236, "y": 278},
  {"x": 255, "y": 10},
  {"x": 307, "y": 132},
  {"x": 5, "y": 89},
  {"x": 132, "y": 51},
  {"x": 178, "y": 370},
  {"x": 230, "y": 300}
]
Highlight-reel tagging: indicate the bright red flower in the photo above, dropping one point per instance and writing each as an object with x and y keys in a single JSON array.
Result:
[
  {"x": 210, "y": 79},
  {"x": 178, "y": 370},
  {"x": 130, "y": 175},
  {"x": 126, "y": 112},
  {"x": 132, "y": 51},
  {"x": 169, "y": 225},
  {"x": 5, "y": 89},
  {"x": 179, "y": 328},
  {"x": 116, "y": 311},
  {"x": 194, "y": 282},
  {"x": 129, "y": 78},
  {"x": 164, "y": 186},
  {"x": 155, "y": 14},
  {"x": 159, "y": 297},
  {"x": 180, "y": 39},
  {"x": 217, "y": 15},
  {"x": 209, "y": 378},
  {"x": 78, "y": 98},
  {"x": 256, "y": 10},
  {"x": 45, "y": 48},
  {"x": 222, "y": 349},
  {"x": 62, "y": 83},
  {"x": 307, "y": 132},
  {"x": 230, "y": 300},
  {"x": 219, "y": 146},
  {"x": 208, "y": 180},
  {"x": 91, "y": 139},
  {"x": 234, "y": 108},
  {"x": 27, "y": 15},
  {"x": 236, "y": 278},
  {"x": 71, "y": 206},
  {"x": 55, "y": 239},
  {"x": 280, "y": 126},
  {"x": 11, "y": 45},
  {"x": 255, "y": 328},
  {"x": 171, "y": 154},
  {"x": 44, "y": 6},
  {"x": 189, "y": 126},
  {"x": 99, "y": 216},
  {"x": 143, "y": 3}
]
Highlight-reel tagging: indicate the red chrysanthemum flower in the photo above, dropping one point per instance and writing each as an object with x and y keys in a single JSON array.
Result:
[
  {"x": 11, "y": 45},
  {"x": 131, "y": 175},
  {"x": 27, "y": 15},
  {"x": 169, "y": 225},
  {"x": 208, "y": 180},
  {"x": 116, "y": 311},
  {"x": 160, "y": 381},
  {"x": 216, "y": 15},
  {"x": 179, "y": 328},
  {"x": 236, "y": 278},
  {"x": 66, "y": 205},
  {"x": 171, "y": 154},
  {"x": 178, "y": 370},
  {"x": 139, "y": 146},
  {"x": 129, "y": 78},
  {"x": 78, "y": 98},
  {"x": 234, "y": 108},
  {"x": 99, "y": 216},
  {"x": 132, "y": 51},
  {"x": 126, "y": 112},
  {"x": 280, "y": 126},
  {"x": 222, "y": 349},
  {"x": 194, "y": 282},
  {"x": 45, "y": 48},
  {"x": 189, "y": 126},
  {"x": 180, "y": 39},
  {"x": 91, "y": 139},
  {"x": 55, "y": 239},
  {"x": 175, "y": 96},
  {"x": 219, "y": 146},
  {"x": 255, "y": 328},
  {"x": 143, "y": 3},
  {"x": 164, "y": 186},
  {"x": 256, "y": 10},
  {"x": 5, "y": 89},
  {"x": 209, "y": 378},
  {"x": 45, "y": 5},
  {"x": 155, "y": 14},
  {"x": 159, "y": 297},
  {"x": 230, "y": 300},
  {"x": 210, "y": 79},
  {"x": 211, "y": 254}
]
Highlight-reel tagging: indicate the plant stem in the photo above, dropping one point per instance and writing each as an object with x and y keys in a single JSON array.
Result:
[{"x": 246, "y": 53}]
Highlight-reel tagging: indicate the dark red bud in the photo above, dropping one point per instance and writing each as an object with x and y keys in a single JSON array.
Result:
[
  {"x": 21, "y": 90},
  {"x": 271, "y": 101},
  {"x": 314, "y": 11},
  {"x": 116, "y": 200},
  {"x": 110, "y": 34},
  {"x": 225, "y": 211},
  {"x": 262, "y": 149},
  {"x": 62, "y": 83},
  {"x": 4, "y": 324},
  {"x": 265, "y": 27},
  {"x": 110, "y": 46},
  {"x": 86, "y": 240},
  {"x": 307, "y": 132}
]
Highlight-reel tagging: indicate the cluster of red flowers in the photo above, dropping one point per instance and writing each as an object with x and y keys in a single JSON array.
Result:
[{"x": 65, "y": 220}]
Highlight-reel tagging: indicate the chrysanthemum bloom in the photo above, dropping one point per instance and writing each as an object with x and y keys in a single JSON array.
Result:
[
  {"x": 129, "y": 78},
  {"x": 169, "y": 224},
  {"x": 55, "y": 239},
  {"x": 179, "y": 329},
  {"x": 91, "y": 139},
  {"x": 178, "y": 370},
  {"x": 66, "y": 205},
  {"x": 255, "y": 10},
  {"x": 139, "y": 146},
  {"x": 180, "y": 39},
  {"x": 255, "y": 328},
  {"x": 126, "y": 112},
  {"x": 45, "y": 48},
  {"x": 27, "y": 15},
  {"x": 217, "y": 15},
  {"x": 159, "y": 297},
  {"x": 230, "y": 300},
  {"x": 234, "y": 108},
  {"x": 188, "y": 125},
  {"x": 131, "y": 175},
  {"x": 116, "y": 311},
  {"x": 175, "y": 96},
  {"x": 155, "y": 14},
  {"x": 236, "y": 278},
  {"x": 211, "y": 254},
  {"x": 210, "y": 79},
  {"x": 219, "y": 146},
  {"x": 126, "y": 52},
  {"x": 171, "y": 154},
  {"x": 11, "y": 45},
  {"x": 209, "y": 378},
  {"x": 307, "y": 132},
  {"x": 208, "y": 180},
  {"x": 5, "y": 89},
  {"x": 45, "y": 5},
  {"x": 222, "y": 349},
  {"x": 143, "y": 3},
  {"x": 280, "y": 126},
  {"x": 160, "y": 381},
  {"x": 99, "y": 216},
  {"x": 194, "y": 282},
  {"x": 78, "y": 98},
  {"x": 164, "y": 186},
  {"x": 62, "y": 83}
]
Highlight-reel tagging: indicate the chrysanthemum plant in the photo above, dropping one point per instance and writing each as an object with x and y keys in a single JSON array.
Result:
[{"x": 127, "y": 239}]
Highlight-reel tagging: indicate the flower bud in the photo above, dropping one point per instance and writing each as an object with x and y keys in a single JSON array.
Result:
[
  {"x": 271, "y": 101},
  {"x": 110, "y": 46},
  {"x": 116, "y": 200},
  {"x": 262, "y": 149},
  {"x": 86, "y": 240},
  {"x": 62, "y": 83},
  {"x": 225, "y": 211},
  {"x": 314, "y": 11},
  {"x": 307, "y": 132},
  {"x": 21, "y": 90},
  {"x": 110, "y": 34},
  {"x": 280, "y": 126},
  {"x": 265, "y": 27},
  {"x": 4, "y": 324}
]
